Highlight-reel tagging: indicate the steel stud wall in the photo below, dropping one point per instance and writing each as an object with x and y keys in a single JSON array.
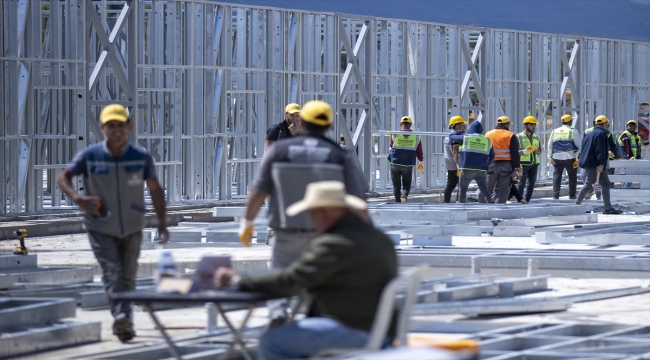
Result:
[{"x": 204, "y": 80}]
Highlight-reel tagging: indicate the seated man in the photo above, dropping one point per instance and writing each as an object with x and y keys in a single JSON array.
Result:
[{"x": 344, "y": 272}]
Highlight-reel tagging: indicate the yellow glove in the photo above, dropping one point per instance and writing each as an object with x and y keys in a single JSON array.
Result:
[
  {"x": 420, "y": 167},
  {"x": 575, "y": 164},
  {"x": 246, "y": 231},
  {"x": 550, "y": 160},
  {"x": 389, "y": 133},
  {"x": 458, "y": 173},
  {"x": 530, "y": 148}
]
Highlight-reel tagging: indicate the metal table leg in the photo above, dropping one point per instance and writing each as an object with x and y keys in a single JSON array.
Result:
[
  {"x": 172, "y": 348},
  {"x": 236, "y": 333}
]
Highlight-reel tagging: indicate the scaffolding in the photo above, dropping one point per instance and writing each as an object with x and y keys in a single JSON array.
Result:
[{"x": 204, "y": 80}]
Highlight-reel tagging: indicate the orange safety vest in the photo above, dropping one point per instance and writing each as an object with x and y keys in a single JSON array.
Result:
[{"x": 501, "y": 143}]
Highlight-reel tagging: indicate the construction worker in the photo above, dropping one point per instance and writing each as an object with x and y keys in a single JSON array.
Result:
[
  {"x": 614, "y": 153},
  {"x": 452, "y": 151},
  {"x": 287, "y": 128},
  {"x": 563, "y": 148},
  {"x": 593, "y": 158},
  {"x": 506, "y": 161},
  {"x": 286, "y": 170},
  {"x": 529, "y": 150},
  {"x": 630, "y": 143},
  {"x": 476, "y": 156},
  {"x": 404, "y": 150},
  {"x": 115, "y": 172}
]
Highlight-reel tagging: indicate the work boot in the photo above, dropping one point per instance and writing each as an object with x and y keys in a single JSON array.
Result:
[
  {"x": 404, "y": 198},
  {"x": 572, "y": 197},
  {"x": 589, "y": 195},
  {"x": 612, "y": 212},
  {"x": 123, "y": 329},
  {"x": 524, "y": 202}
]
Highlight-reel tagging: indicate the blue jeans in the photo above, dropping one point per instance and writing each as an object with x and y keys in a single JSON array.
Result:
[{"x": 308, "y": 336}]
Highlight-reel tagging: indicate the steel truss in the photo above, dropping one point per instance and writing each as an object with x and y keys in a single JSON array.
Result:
[{"x": 204, "y": 80}]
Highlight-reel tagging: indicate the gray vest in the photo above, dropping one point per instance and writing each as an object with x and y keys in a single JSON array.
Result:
[
  {"x": 450, "y": 163},
  {"x": 290, "y": 183}
]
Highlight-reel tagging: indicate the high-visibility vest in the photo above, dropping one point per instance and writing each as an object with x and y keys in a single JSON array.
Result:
[
  {"x": 475, "y": 152},
  {"x": 501, "y": 142},
  {"x": 612, "y": 156},
  {"x": 403, "y": 152},
  {"x": 563, "y": 140},
  {"x": 635, "y": 143},
  {"x": 524, "y": 142}
]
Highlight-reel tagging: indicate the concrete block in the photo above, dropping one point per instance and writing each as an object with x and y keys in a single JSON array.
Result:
[
  {"x": 11, "y": 261},
  {"x": 438, "y": 240},
  {"x": 222, "y": 236}
]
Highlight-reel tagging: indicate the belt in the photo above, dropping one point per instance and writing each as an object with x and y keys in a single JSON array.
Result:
[{"x": 295, "y": 231}]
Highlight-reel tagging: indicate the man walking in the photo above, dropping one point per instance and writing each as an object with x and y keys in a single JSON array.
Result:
[
  {"x": 343, "y": 270},
  {"x": 506, "y": 161},
  {"x": 529, "y": 150},
  {"x": 114, "y": 173},
  {"x": 404, "y": 150},
  {"x": 286, "y": 170},
  {"x": 614, "y": 153},
  {"x": 593, "y": 158},
  {"x": 476, "y": 156},
  {"x": 288, "y": 128},
  {"x": 452, "y": 151},
  {"x": 564, "y": 145}
]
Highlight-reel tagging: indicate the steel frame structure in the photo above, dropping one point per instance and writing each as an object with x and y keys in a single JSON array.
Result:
[{"x": 204, "y": 80}]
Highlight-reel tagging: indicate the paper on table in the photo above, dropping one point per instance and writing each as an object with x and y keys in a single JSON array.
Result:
[{"x": 178, "y": 285}]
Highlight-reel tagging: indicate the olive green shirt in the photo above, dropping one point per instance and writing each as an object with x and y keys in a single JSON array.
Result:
[{"x": 344, "y": 271}]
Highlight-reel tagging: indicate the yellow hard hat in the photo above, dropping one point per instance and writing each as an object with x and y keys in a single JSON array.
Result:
[
  {"x": 114, "y": 112},
  {"x": 456, "y": 120},
  {"x": 631, "y": 122},
  {"x": 317, "y": 112},
  {"x": 406, "y": 119},
  {"x": 503, "y": 120},
  {"x": 530, "y": 120},
  {"x": 601, "y": 119},
  {"x": 292, "y": 108},
  {"x": 566, "y": 118}
]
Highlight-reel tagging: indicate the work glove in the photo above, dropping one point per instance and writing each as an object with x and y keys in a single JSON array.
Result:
[
  {"x": 575, "y": 164},
  {"x": 550, "y": 160},
  {"x": 530, "y": 148},
  {"x": 420, "y": 167},
  {"x": 458, "y": 173},
  {"x": 246, "y": 232},
  {"x": 525, "y": 151},
  {"x": 389, "y": 133}
]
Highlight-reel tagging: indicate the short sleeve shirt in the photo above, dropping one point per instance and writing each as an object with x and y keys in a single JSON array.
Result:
[
  {"x": 79, "y": 164},
  {"x": 278, "y": 132}
]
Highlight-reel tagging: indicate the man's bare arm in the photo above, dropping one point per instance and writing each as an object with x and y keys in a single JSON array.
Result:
[
  {"x": 455, "y": 149},
  {"x": 85, "y": 203},
  {"x": 159, "y": 204},
  {"x": 254, "y": 203}
]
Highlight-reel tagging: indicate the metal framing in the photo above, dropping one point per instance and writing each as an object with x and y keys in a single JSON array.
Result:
[{"x": 204, "y": 80}]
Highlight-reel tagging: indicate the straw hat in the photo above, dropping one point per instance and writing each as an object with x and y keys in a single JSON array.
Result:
[{"x": 325, "y": 194}]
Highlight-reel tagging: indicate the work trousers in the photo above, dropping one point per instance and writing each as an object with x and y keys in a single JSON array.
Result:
[
  {"x": 402, "y": 177},
  {"x": 583, "y": 177},
  {"x": 527, "y": 182},
  {"x": 288, "y": 246},
  {"x": 558, "y": 167},
  {"x": 466, "y": 177},
  {"x": 452, "y": 181},
  {"x": 499, "y": 172},
  {"x": 118, "y": 258},
  {"x": 588, "y": 186}
]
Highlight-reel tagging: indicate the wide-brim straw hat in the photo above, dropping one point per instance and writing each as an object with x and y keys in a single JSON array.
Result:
[{"x": 326, "y": 194}]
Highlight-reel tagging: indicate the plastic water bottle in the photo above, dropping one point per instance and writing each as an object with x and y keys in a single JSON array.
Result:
[{"x": 166, "y": 266}]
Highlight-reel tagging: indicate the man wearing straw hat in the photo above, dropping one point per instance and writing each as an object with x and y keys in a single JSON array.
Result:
[{"x": 344, "y": 272}]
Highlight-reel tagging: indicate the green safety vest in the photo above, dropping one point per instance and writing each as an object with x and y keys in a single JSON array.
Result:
[
  {"x": 479, "y": 146},
  {"x": 404, "y": 150},
  {"x": 524, "y": 142},
  {"x": 635, "y": 142},
  {"x": 403, "y": 142}
]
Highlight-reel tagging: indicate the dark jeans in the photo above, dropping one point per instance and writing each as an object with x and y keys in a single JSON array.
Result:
[
  {"x": 452, "y": 181},
  {"x": 466, "y": 177},
  {"x": 515, "y": 192},
  {"x": 588, "y": 186},
  {"x": 558, "y": 167},
  {"x": 118, "y": 258},
  {"x": 499, "y": 175},
  {"x": 402, "y": 177},
  {"x": 528, "y": 180}
]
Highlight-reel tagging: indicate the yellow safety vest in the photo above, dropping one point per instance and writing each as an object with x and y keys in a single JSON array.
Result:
[{"x": 531, "y": 158}]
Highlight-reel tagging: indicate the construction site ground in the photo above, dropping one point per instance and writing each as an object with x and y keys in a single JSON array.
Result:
[{"x": 74, "y": 250}]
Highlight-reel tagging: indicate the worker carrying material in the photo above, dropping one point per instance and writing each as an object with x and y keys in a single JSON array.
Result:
[
  {"x": 286, "y": 169},
  {"x": 476, "y": 156},
  {"x": 593, "y": 158},
  {"x": 529, "y": 150},
  {"x": 452, "y": 151},
  {"x": 506, "y": 161},
  {"x": 405, "y": 150},
  {"x": 114, "y": 173},
  {"x": 564, "y": 145}
]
